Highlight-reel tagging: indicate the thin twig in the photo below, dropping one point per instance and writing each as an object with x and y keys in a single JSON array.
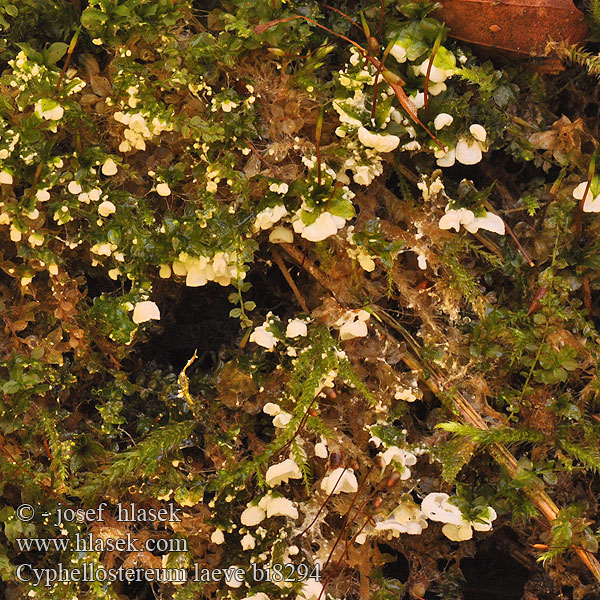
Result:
[
  {"x": 324, "y": 503},
  {"x": 70, "y": 51},
  {"x": 290, "y": 281}
]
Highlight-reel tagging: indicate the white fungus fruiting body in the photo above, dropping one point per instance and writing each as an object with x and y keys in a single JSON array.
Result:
[
  {"x": 435, "y": 506},
  {"x": 446, "y": 158},
  {"x": 109, "y": 168},
  {"x": 321, "y": 450},
  {"x": 49, "y": 109},
  {"x": 281, "y": 419},
  {"x": 272, "y": 409},
  {"x": 353, "y": 325},
  {"x": 106, "y": 208},
  {"x": 380, "y": 142},
  {"x": 478, "y": 132},
  {"x": 266, "y": 218},
  {"x": 398, "y": 51},
  {"x": 454, "y": 218},
  {"x": 324, "y": 226},
  {"x": 74, "y": 187},
  {"x": 278, "y": 507},
  {"x": 248, "y": 542},
  {"x": 281, "y": 235},
  {"x": 468, "y": 152},
  {"x": 145, "y": 311},
  {"x": 163, "y": 189},
  {"x": 591, "y": 204},
  {"x": 217, "y": 537},
  {"x": 338, "y": 481},
  {"x": 264, "y": 338},
  {"x": 405, "y": 518},
  {"x": 442, "y": 120},
  {"x": 282, "y": 472},
  {"x": 295, "y": 328},
  {"x": 458, "y": 533},
  {"x": 402, "y": 457},
  {"x": 253, "y": 515}
]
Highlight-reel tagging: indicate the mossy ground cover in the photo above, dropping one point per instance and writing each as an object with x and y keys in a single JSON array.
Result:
[{"x": 321, "y": 279}]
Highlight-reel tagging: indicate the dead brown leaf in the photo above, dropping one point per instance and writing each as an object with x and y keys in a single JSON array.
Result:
[{"x": 516, "y": 26}]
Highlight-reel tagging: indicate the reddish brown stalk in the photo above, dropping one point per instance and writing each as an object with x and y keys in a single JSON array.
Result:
[
  {"x": 535, "y": 304},
  {"x": 427, "y": 76},
  {"x": 47, "y": 448},
  {"x": 290, "y": 281},
  {"x": 587, "y": 293},
  {"x": 520, "y": 248},
  {"x": 407, "y": 105},
  {"x": 337, "y": 564},
  {"x": 263, "y": 160},
  {"x": 580, "y": 209},
  {"x": 324, "y": 503},
  {"x": 70, "y": 51},
  {"x": 318, "y": 145},
  {"x": 387, "y": 75},
  {"x": 390, "y": 482},
  {"x": 337, "y": 10},
  {"x": 345, "y": 521},
  {"x": 300, "y": 426},
  {"x": 376, "y": 85}
]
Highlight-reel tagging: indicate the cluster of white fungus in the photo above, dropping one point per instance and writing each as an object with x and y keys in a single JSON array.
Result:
[
  {"x": 435, "y": 506},
  {"x": 454, "y": 218},
  {"x": 468, "y": 150},
  {"x": 140, "y": 128},
  {"x": 280, "y": 417},
  {"x": 199, "y": 270},
  {"x": 353, "y": 324}
]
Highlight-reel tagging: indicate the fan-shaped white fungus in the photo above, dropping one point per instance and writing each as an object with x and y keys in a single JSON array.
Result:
[
  {"x": 442, "y": 120},
  {"x": 591, "y": 204},
  {"x": 468, "y": 152},
  {"x": 252, "y": 516},
  {"x": 282, "y": 472},
  {"x": 248, "y": 542},
  {"x": 478, "y": 132},
  {"x": 324, "y": 226},
  {"x": 217, "y": 537},
  {"x": 264, "y": 338},
  {"x": 458, "y": 533},
  {"x": 106, "y": 208},
  {"x": 145, "y": 311},
  {"x": 109, "y": 167},
  {"x": 6, "y": 178},
  {"x": 347, "y": 482},
  {"x": 163, "y": 189},
  {"x": 282, "y": 419},
  {"x": 278, "y": 507},
  {"x": 281, "y": 235},
  {"x": 378, "y": 141},
  {"x": 295, "y": 328},
  {"x": 435, "y": 506}
]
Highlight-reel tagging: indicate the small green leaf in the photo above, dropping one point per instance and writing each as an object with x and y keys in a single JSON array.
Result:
[{"x": 55, "y": 52}]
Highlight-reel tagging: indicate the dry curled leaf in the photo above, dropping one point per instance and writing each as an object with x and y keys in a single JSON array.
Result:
[{"x": 516, "y": 26}]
